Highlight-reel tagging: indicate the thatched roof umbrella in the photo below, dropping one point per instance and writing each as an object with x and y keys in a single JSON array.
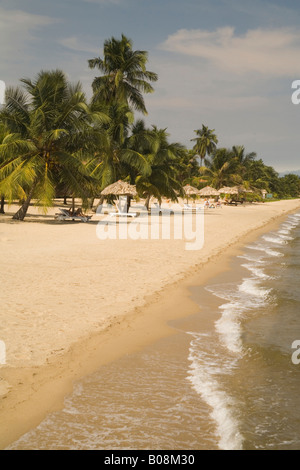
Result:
[
  {"x": 190, "y": 191},
  {"x": 229, "y": 190},
  {"x": 121, "y": 188},
  {"x": 208, "y": 191}
]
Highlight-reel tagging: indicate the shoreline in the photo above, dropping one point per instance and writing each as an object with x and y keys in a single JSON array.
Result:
[{"x": 40, "y": 389}]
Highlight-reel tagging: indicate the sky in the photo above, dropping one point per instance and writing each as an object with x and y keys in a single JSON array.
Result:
[{"x": 227, "y": 64}]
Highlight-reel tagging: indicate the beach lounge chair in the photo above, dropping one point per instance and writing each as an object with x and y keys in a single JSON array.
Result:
[
  {"x": 122, "y": 209},
  {"x": 161, "y": 210},
  {"x": 123, "y": 214},
  {"x": 157, "y": 207},
  {"x": 65, "y": 215},
  {"x": 187, "y": 207}
]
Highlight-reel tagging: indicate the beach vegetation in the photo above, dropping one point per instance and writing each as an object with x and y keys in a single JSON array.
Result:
[
  {"x": 163, "y": 158},
  {"x": 48, "y": 125},
  {"x": 205, "y": 142},
  {"x": 220, "y": 170},
  {"x": 124, "y": 76},
  {"x": 54, "y": 142},
  {"x": 115, "y": 155}
]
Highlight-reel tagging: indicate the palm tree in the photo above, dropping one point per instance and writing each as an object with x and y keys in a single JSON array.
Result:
[
  {"x": 261, "y": 176},
  {"x": 47, "y": 124},
  {"x": 206, "y": 142},
  {"x": 188, "y": 168},
  {"x": 164, "y": 160},
  {"x": 116, "y": 158},
  {"x": 221, "y": 169},
  {"x": 243, "y": 158},
  {"x": 125, "y": 76}
]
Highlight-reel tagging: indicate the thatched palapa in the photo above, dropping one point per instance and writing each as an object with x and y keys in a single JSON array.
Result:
[
  {"x": 208, "y": 191},
  {"x": 190, "y": 190},
  {"x": 229, "y": 190},
  {"x": 120, "y": 188}
]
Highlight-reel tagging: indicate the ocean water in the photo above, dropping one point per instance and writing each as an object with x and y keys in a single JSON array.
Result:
[
  {"x": 232, "y": 384},
  {"x": 254, "y": 389}
]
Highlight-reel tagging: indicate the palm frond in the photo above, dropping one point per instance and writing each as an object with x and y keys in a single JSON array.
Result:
[{"x": 136, "y": 160}]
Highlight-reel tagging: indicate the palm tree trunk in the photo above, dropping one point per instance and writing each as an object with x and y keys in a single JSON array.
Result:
[
  {"x": 91, "y": 202},
  {"x": 147, "y": 202},
  {"x": 21, "y": 213},
  {"x": 2, "y": 205},
  {"x": 73, "y": 204},
  {"x": 101, "y": 201},
  {"x": 128, "y": 203}
]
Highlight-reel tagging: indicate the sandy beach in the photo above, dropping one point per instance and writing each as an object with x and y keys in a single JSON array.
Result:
[{"x": 71, "y": 302}]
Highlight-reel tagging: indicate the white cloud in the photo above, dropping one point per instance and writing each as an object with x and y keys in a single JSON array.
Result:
[
  {"x": 267, "y": 52},
  {"x": 19, "y": 34},
  {"x": 203, "y": 101},
  {"x": 17, "y": 29},
  {"x": 18, "y": 23},
  {"x": 197, "y": 86},
  {"x": 76, "y": 44}
]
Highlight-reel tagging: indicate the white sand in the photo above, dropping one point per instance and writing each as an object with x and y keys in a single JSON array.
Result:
[{"x": 59, "y": 281}]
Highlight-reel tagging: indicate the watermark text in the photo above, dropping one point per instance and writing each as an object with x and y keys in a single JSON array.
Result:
[
  {"x": 2, "y": 92},
  {"x": 157, "y": 224},
  {"x": 296, "y": 93},
  {"x": 296, "y": 354}
]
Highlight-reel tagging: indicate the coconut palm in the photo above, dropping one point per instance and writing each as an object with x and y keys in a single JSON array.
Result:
[
  {"x": 125, "y": 76},
  {"x": 206, "y": 142},
  {"x": 47, "y": 125},
  {"x": 163, "y": 158},
  {"x": 261, "y": 176},
  {"x": 188, "y": 169},
  {"x": 116, "y": 157},
  {"x": 243, "y": 159},
  {"x": 221, "y": 169}
]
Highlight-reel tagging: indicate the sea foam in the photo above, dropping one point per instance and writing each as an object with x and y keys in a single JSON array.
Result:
[{"x": 205, "y": 371}]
